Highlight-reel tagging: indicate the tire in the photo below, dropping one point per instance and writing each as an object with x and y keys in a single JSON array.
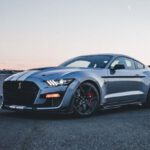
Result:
[
  {"x": 86, "y": 100},
  {"x": 147, "y": 104}
]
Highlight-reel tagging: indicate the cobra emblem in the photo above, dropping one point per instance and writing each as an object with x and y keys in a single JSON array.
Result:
[{"x": 19, "y": 86}]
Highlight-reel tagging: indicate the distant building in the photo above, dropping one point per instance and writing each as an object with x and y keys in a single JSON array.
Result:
[{"x": 9, "y": 71}]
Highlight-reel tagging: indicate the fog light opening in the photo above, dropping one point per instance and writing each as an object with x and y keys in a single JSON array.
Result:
[{"x": 53, "y": 95}]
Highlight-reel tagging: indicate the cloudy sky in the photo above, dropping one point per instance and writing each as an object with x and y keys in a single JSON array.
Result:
[{"x": 35, "y": 33}]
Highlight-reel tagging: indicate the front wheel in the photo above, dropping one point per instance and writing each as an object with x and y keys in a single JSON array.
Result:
[{"x": 86, "y": 99}]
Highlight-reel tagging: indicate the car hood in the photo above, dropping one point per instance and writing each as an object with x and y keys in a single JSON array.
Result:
[
  {"x": 53, "y": 73},
  {"x": 45, "y": 73}
]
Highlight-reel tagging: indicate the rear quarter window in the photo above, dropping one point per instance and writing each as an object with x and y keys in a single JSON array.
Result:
[{"x": 139, "y": 65}]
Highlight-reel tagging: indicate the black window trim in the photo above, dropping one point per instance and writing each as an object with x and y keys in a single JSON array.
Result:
[
  {"x": 127, "y": 58},
  {"x": 136, "y": 61}
]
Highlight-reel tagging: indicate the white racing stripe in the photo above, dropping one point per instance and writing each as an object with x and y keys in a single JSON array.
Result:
[
  {"x": 124, "y": 94},
  {"x": 16, "y": 76},
  {"x": 26, "y": 75}
]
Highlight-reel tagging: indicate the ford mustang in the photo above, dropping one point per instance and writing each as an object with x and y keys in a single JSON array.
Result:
[{"x": 80, "y": 85}]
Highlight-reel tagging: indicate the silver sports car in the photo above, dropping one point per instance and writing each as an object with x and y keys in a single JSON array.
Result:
[{"x": 80, "y": 85}]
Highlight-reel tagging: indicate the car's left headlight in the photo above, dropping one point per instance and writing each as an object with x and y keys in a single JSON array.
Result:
[{"x": 61, "y": 82}]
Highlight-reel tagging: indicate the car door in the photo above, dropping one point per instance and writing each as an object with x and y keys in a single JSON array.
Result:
[{"x": 123, "y": 84}]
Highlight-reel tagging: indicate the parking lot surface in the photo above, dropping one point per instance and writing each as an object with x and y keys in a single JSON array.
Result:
[{"x": 126, "y": 128}]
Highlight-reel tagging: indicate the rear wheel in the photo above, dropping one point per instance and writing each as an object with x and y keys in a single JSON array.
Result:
[
  {"x": 147, "y": 104},
  {"x": 86, "y": 99}
]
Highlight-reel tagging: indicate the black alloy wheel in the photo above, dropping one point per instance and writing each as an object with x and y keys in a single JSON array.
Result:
[
  {"x": 147, "y": 103},
  {"x": 86, "y": 99}
]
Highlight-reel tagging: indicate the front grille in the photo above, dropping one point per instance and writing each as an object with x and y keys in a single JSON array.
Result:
[{"x": 20, "y": 93}]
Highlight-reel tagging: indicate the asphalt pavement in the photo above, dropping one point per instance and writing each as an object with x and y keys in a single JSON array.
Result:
[{"x": 126, "y": 128}]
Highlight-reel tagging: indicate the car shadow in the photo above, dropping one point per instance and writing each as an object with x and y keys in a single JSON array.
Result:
[{"x": 62, "y": 116}]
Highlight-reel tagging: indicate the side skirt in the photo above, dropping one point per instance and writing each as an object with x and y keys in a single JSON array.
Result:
[{"x": 113, "y": 106}]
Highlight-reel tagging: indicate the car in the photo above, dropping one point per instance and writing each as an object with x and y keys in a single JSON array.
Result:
[{"x": 81, "y": 85}]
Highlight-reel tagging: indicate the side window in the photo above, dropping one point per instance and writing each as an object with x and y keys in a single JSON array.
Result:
[
  {"x": 128, "y": 63},
  {"x": 139, "y": 65}
]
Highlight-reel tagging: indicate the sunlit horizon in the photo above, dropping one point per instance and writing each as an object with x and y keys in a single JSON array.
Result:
[{"x": 26, "y": 66}]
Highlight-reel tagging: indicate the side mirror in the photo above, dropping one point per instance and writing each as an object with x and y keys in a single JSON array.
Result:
[{"x": 118, "y": 67}]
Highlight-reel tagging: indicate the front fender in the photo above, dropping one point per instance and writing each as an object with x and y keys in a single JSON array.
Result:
[{"x": 94, "y": 78}]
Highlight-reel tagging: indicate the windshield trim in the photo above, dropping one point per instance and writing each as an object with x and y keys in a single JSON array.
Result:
[{"x": 110, "y": 57}]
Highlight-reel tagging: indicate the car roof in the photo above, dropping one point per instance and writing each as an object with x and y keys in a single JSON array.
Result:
[
  {"x": 113, "y": 55},
  {"x": 105, "y": 54}
]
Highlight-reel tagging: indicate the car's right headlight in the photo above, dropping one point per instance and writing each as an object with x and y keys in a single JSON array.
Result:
[{"x": 61, "y": 82}]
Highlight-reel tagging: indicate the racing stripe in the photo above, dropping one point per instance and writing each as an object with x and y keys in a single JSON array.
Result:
[
  {"x": 16, "y": 76},
  {"x": 26, "y": 75}
]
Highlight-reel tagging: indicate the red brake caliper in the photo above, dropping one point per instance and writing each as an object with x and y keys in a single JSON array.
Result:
[{"x": 89, "y": 97}]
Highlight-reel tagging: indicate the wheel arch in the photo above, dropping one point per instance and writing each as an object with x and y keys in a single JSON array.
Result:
[{"x": 96, "y": 86}]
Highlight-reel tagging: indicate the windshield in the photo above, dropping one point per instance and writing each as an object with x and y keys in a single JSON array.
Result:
[{"x": 99, "y": 61}]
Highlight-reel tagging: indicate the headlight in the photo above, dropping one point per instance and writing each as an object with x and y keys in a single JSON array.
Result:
[{"x": 60, "y": 82}]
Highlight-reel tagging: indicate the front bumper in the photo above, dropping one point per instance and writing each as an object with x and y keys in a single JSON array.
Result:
[
  {"x": 34, "y": 109},
  {"x": 39, "y": 102}
]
